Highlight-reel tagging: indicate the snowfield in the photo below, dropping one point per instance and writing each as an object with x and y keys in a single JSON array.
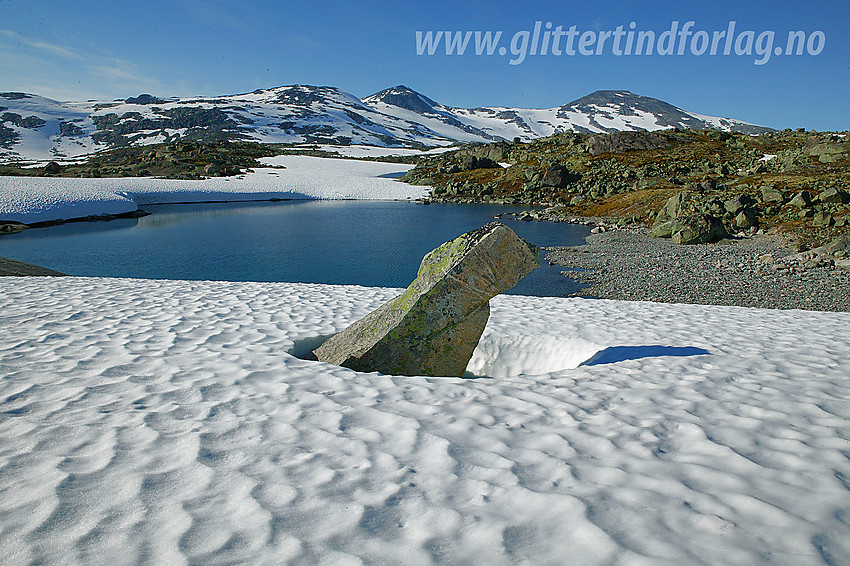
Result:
[
  {"x": 168, "y": 422},
  {"x": 41, "y": 199}
]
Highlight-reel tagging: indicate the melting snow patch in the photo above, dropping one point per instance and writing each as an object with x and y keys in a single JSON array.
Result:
[
  {"x": 500, "y": 355},
  {"x": 29, "y": 199}
]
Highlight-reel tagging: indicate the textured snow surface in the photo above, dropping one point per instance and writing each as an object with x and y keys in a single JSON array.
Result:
[
  {"x": 165, "y": 422},
  {"x": 40, "y": 199}
]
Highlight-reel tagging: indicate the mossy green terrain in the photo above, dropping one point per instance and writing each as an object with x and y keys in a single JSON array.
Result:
[{"x": 629, "y": 176}]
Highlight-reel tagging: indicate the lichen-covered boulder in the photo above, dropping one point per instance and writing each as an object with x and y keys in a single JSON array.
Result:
[
  {"x": 664, "y": 220},
  {"x": 697, "y": 229},
  {"x": 682, "y": 218},
  {"x": 769, "y": 193},
  {"x": 433, "y": 327}
]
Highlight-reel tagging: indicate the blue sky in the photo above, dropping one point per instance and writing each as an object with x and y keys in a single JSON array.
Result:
[{"x": 106, "y": 50}]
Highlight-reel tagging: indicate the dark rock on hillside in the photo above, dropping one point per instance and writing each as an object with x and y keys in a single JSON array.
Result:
[
  {"x": 69, "y": 129},
  {"x": 30, "y": 122},
  {"x": 14, "y": 95},
  {"x": 144, "y": 99},
  {"x": 406, "y": 98},
  {"x": 558, "y": 176},
  {"x": 8, "y": 137},
  {"x": 620, "y": 142},
  {"x": 403, "y": 97},
  {"x": 201, "y": 124}
]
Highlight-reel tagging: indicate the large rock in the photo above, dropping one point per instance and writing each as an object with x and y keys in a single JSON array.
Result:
[
  {"x": 494, "y": 152},
  {"x": 433, "y": 327},
  {"x": 746, "y": 218},
  {"x": 769, "y": 193},
  {"x": 558, "y": 176},
  {"x": 803, "y": 199},
  {"x": 672, "y": 209},
  {"x": 833, "y": 196},
  {"x": 697, "y": 229},
  {"x": 621, "y": 142}
]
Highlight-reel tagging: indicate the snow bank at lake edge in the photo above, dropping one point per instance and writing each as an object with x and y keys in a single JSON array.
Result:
[{"x": 44, "y": 199}]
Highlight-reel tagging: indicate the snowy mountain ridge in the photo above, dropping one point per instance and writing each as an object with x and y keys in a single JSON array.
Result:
[{"x": 37, "y": 128}]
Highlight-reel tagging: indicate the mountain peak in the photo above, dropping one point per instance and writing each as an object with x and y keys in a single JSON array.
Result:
[
  {"x": 404, "y": 97},
  {"x": 604, "y": 110},
  {"x": 317, "y": 115}
]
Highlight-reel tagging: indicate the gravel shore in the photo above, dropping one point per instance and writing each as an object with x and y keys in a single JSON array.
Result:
[
  {"x": 14, "y": 268},
  {"x": 749, "y": 272}
]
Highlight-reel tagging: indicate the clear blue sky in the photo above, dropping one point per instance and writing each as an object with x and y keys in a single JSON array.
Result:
[{"x": 115, "y": 49}]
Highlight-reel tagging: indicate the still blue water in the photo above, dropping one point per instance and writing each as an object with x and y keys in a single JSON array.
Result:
[{"x": 341, "y": 242}]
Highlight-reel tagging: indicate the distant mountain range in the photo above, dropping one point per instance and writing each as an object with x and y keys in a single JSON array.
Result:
[{"x": 37, "y": 128}]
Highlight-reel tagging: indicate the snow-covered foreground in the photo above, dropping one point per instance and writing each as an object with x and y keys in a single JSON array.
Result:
[
  {"x": 167, "y": 422},
  {"x": 42, "y": 199}
]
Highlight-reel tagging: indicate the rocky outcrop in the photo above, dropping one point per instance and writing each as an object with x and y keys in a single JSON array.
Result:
[
  {"x": 697, "y": 229},
  {"x": 494, "y": 152},
  {"x": 681, "y": 220},
  {"x": 433, "y": 327},
  {"x": 558, "y": 176},
  {"x": 672, "y": 209},
  {"x": 621, "y": 142}
]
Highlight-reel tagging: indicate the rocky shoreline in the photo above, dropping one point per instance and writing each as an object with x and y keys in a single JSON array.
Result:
[{"x": 758, "y": 271}]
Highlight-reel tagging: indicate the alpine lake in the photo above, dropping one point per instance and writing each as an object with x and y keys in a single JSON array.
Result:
[{"x": 368, "y": 243}]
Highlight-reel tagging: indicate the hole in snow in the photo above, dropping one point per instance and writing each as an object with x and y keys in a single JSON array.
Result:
[
  {"x": 500, "y": 356},
  {"x": 303, "y": 349}
]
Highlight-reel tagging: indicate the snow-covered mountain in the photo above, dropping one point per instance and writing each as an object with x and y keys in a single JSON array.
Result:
[{"x": 37, "y": 128}]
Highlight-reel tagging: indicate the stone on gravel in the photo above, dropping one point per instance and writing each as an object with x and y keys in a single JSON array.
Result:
[
  {"x": 433, "y": 327},
  {"x": 697, "y": 229},
  {"x": 747, "y": 218},
  {"x": 672, "y": 209},
  {"x": 840, "y": 244}
]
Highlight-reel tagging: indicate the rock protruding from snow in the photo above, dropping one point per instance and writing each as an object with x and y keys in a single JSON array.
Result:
[{"x": 433, "y": 327}]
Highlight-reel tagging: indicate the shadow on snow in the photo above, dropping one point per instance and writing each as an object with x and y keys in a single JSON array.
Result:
[{"x": 614, "y": 354}]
